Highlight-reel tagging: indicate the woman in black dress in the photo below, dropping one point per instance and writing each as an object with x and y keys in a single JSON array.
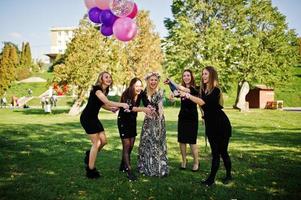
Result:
[
  {"x": 127, "y": 123},
  {"x": 217, "y": 125},
  {"x": 188, "y": 120},
  {"x": 90, "y": 122}
]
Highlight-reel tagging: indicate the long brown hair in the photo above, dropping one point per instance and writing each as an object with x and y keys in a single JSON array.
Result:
[
  {"x": 99, "y": 82},
  {"x": 192, "y": 81},
  {"x": 212, "y": 83},
  {"x": 129, "y": 92}
]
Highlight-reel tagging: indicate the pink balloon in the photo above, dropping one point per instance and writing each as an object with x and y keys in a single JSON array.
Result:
[
  {"x": 134, "y": 12},
  {"x": 90, "y": 3},
  {"x": 124, "y": 29},
  {"x": 103, "y": 4}
]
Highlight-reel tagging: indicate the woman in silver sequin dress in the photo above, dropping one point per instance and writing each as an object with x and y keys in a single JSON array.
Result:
[{"x": 152, "y": 151}]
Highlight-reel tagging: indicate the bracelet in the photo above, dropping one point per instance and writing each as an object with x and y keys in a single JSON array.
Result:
[{"x": 187, "y": 95}]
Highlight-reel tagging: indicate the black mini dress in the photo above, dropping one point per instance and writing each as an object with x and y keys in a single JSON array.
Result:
[
  {"x": 217, "y": 124},
  {"x": 127, "y": 124},
  {"x": 127, "y": 121},
  {"x": 188, "y": 120},
  {"x": 89, "y": 117}
]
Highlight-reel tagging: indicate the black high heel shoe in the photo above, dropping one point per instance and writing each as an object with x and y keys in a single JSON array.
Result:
[
  {"x": 195, "y": 170},
  {"x": 131, "y": 176},
  {"x": 227, "y": 180},
  {"x": 208, "y": 182},
  {"x": 122, "y": 167},
  {"x": 92, "y": 173}
]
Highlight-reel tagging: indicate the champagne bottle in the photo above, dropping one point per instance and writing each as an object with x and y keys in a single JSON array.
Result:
[{"x": 173, "y": 87}]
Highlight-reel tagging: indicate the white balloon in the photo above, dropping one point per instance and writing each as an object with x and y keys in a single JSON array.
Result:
[{"x": 121, "y": 8}]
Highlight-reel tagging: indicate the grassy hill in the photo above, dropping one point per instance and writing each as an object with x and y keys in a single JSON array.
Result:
[{"x": 21, "y": 89}]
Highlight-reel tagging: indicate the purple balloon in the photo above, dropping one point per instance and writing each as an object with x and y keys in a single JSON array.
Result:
[
  {"x": 94, "y": 14},
  {"x": 106, "y": 30},
  {"x": 107, "y": 17}
]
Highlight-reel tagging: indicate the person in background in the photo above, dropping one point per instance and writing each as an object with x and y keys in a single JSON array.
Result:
[
  {"x": 29, "y": 91},
  {"x": 53, "y": 100},
  {"x": 43, "y": 101},
  {"x": 3, "y": 102},
  {"x": 14, "y": 101}
]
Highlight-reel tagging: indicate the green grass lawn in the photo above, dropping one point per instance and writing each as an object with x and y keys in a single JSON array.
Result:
[
  {"x": 62, "y": 101},
  {"x": 41, "y": 157}
]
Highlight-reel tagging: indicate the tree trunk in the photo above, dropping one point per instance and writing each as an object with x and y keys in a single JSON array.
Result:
[
  {"x": 76, "y": 107},
  {"x": 243, "y": 89},
  {"x": 239, "y": 84}
]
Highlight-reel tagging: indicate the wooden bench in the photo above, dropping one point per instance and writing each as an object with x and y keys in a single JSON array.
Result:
[{"x": 274, "y": 105}]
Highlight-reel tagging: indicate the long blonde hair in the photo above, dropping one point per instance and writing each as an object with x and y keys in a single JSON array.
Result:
[
  {"x": 99, "y": 82},
  {"x": 212, "y": 83},
  {"x": 149, "y": 93}
]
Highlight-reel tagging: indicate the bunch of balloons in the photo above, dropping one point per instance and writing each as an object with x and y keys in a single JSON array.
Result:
[{"x": 116, "y": 17}]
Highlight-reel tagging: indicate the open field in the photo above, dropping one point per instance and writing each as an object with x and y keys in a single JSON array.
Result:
[{"x": 42, "y": 158}]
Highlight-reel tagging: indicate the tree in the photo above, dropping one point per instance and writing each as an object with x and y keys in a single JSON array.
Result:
[
  {"x": 246, "y": 40},
  {"x": 59, "y": 59},
  {"x": 26, "y": 59},
  {"x": 22, "y": 55},
  {"x": 13, "y": 56},
  {"x": 141, "y": 55},
  {"x": 299, "y": 50},
  {"x": 89, "y": 52},
  {"x": 39, "y": 65},
  {"x": 8, "y": 63},
  {"x": 83, "y": 61},
  {"x": 25, "y": 65}
]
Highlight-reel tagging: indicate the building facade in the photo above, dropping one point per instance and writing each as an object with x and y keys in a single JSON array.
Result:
[{"x": 60, "y": 37}]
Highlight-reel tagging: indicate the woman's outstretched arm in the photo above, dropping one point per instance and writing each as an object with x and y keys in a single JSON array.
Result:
[
  {"x": 178, "y": 86},
  {"x": 195, "y": 99},
  {"x": 109, "y": 103}
]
